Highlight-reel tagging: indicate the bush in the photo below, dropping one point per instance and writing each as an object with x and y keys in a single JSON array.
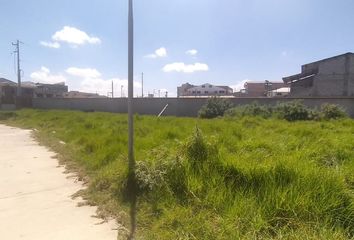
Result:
[
  {"x": 199, "y": 151},
  {"x": 332, "y": 111},
  {"x": 290, "y": 111},
  {"x": 294, "y": 111},
  {"x": 7, "y": 115},
  {"x": 165, "y": 174},
  {"x": 215, "y": 107},
  {"x": 253, "y": 109}
]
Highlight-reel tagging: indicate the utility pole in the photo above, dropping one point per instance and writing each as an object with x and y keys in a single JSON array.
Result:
[
  {"x": 142, "y": 85},
  {"x": 112, "y": 90},
  {"x": 131, "y": 170},
  {"x": 130, "y": 86},
  {"x": 17, "y": 51}
]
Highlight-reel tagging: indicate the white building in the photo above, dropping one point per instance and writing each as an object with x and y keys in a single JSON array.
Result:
[
  {"x": 188, "y": 90},
  {"x": 279, "y": 92}
]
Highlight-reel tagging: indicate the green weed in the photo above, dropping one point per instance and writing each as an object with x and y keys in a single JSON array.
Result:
[{"x": 229, "y": 178}]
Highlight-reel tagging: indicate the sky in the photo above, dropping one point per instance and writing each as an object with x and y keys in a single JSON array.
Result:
[{"x": 222, "y": 42}]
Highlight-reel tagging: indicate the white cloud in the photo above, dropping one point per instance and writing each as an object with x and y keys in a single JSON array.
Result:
[
  {"x": 50, "y": 44},
  {"x": 44, "y": 76},
  {"x": 240, "y": 85},
  {"x": 159, "y": 53},
  {"x": 83, "y": 72},
  {"x": 92, "y": 82},
  {"x": 102, "y": 87},
  {"x": 284, "y": 53},
  {"x": 72, "y": 36},
  {"x": 192, "y": 52},
  {"x": 182, "y": 67},
  {"x": 96, "y": 85}
]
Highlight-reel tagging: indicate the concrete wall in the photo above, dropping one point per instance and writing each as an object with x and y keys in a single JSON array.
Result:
[
  {"x": 183, "y": 107},
  {"x": 350, "y": 76},
  {"x": 7, "y": 107}
]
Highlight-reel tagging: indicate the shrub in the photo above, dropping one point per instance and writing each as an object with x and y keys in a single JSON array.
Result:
[
  {"x": 332, "y": 111},
  {"x": 149, "y": 177},
  {"x": 165, "y": 174},
  {"x": 199, "y": 151},
  {"x": 253, "y": 109},
  {"x": 290, "y": 111},
  {"x": 294, "y": 111},
  {"x": 214, "y": 107},
  {"x": 7, "y": 115}
]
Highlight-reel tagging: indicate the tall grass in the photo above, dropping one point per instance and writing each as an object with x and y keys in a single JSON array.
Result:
[{"x": 245, "y": 178}]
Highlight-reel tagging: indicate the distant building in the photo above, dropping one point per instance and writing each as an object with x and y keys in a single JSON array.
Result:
[
  {"x": 331, "y": 77},
  {"x": 4, "y": 81},
  {"x": 259, "y": 89},
  {"x": 29, "y": 90},
  {"x": 189, "y": 90},
  {"x": 42, "y": 90},
  {"x": 76, "y": 94},
  {"x": 280, "y": 92},
  {"x": 8, "y": 91}
]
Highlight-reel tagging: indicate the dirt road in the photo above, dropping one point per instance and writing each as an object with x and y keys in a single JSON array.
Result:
[{"x": 35, "y": 195}]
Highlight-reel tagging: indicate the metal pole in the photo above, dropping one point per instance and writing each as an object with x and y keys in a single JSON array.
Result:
[
  {"x": 142, "y": 85},
  {"x": 112, "y": 90},
  {"x": 131, "y": 180},
  {"x": 130, "y": 85},
  {"x": 17, "y": 44}
]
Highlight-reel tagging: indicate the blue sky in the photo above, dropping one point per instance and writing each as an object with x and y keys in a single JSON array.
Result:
[{"x": 235, "y": 40}]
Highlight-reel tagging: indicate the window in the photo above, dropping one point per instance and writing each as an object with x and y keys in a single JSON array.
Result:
[
  {"x": 221, "y": 91},
  {"x": 198, "y": 92},
  {"x": 203, "y": 86},
  {"x": 206, "y": 92}
]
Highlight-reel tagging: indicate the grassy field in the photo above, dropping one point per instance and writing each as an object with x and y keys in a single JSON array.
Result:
[{"x": 248, "y": 178}]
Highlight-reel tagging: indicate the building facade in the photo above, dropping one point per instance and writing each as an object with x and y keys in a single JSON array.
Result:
[
  {"x": 29, "y": 90},
  {"x": 331, "y": 77},
  {"x": 205, "y": 90},
  {"x": 77, "y": 94},
  {"x": 259, "y": 89},
  {"x": 41, "y": 90}
]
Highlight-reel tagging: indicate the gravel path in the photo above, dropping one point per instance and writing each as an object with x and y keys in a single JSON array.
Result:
[{"x": 35, "y": 195}]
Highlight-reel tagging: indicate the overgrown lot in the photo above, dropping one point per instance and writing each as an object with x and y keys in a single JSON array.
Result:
[{"x": 227, "y": 178}]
